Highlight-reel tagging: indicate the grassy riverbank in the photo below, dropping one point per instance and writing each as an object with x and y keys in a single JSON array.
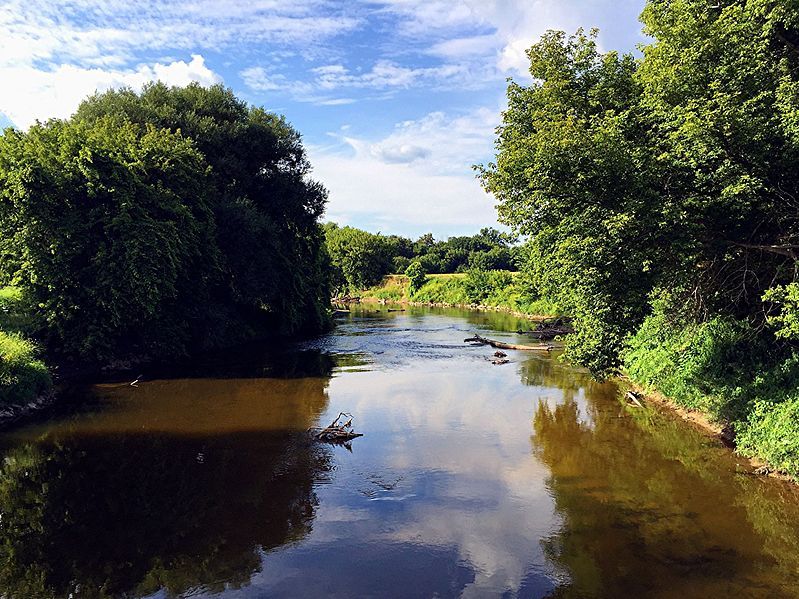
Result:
[
  {"x": 23, "y": 377},
  {"x": 745, "y": 383},
  {"x": 490, "y": 289}
]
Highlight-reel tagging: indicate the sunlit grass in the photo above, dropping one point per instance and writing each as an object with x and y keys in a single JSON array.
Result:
[{"x": 23, "y": 377}]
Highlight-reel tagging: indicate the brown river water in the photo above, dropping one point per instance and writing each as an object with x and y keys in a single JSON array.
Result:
[{"x": 528, "y": 479}]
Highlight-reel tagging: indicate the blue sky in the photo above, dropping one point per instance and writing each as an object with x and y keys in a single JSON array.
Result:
[{"x": 395, "y": 99}]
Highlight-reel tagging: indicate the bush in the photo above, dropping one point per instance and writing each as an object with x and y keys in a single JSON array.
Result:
[
  {"x": 22, "y": 377},
  {"x": 151, "y": 224},
  {"x": 481, "y": 284},
  {"x": 724, "y": 368}
]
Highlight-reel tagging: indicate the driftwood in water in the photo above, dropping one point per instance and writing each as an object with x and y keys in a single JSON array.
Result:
[
  {"x": 500, "y": 345},
  {"x": 634, "y": 398},
  {"x": 500, "y": 354},
  {"x": 499, "y": 361},
  {"x": 336, "y": 432}
]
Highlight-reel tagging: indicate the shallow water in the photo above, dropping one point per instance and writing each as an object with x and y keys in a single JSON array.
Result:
[{"x": 528, "y": 479}]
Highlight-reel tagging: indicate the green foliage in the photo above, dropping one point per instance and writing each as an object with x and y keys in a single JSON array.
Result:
[
  {"x": 501, "y": 289},
  {"x": 573, "y": 172},
  {"x": 772, "y": 432},
  {"x": 13, "y": 310},
  {"x": 416, "y": 276},
  {"x": 481, "y": 284},
  {"x": 673, "y": 172},
  {"x": 359, "y": 259},
  {"x": 393, "y": 288},
  {"x": 787, "y": 321},
  {"x": 23, "y": 377},
  {"x": 152, "y": 223},
  {"x": 673, "y": 177},
  {"x": 442, "y": 290},
  {"x": 384, "y": 254}
]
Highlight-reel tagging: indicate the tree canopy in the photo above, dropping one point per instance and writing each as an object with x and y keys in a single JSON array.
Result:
[
  {"x": 154, "y": 222},
  {"x": 670, "y": 175}
]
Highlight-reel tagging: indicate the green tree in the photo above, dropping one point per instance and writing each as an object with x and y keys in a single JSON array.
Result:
[
  {"x": 359, "y": 259},
  {"x": 416, "y": 275},
  {"x": 574, "y": 172},
  {"x": 152, "y": 223}
]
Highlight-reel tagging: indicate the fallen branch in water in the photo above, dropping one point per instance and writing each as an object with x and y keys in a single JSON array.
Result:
[
  {"x": 500, "y": 345},
  {"x": 335, "y": 432},
  {"x": 634, "y": 398}
]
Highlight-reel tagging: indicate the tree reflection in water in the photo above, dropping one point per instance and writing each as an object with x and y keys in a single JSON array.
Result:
[
  {"x": 655, "y": 514},
  {"x": 94, "y": 518},
  {"x": 174, "y": 486}
]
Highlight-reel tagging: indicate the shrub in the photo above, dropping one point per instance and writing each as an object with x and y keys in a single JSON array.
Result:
[{"x": 22, "y": 376}]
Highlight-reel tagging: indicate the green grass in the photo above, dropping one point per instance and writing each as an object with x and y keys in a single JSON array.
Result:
[
  {"x": 495, "y": 288},
  {"x": 722, "y": 368},
  {"x": 13, "y": 316},
  {"x": 23, "y": 377},
  {"x": 394, "y": 288}
]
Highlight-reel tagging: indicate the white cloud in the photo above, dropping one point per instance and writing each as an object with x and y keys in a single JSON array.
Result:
[
  {"x": 511, "y": 26},
  {"x": 385, "y": 76},
  {"x": 256, "y": 78},
  {"x": 465, "y": 47},
  {"x": 404, "y": 153},
  {"x": 418, "y": 177},
  {"x": 29, "y": 94}
]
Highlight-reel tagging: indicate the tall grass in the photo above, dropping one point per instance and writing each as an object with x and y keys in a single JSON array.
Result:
[
  {"x": 500, "y": 289},
  {"x": 23, "y": 377}
]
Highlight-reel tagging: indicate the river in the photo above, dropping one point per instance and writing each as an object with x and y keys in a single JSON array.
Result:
[{"x": 527, "y": 479}]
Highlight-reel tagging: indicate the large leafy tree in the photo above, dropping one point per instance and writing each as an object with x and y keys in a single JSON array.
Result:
[
  {"x": 721, "y": 83},
  {"x": 359, "y": 259},
  {"x": 157, "y": 222},
  {"x": 674, "y": 174},
  {"x": 574, "y": 173}
]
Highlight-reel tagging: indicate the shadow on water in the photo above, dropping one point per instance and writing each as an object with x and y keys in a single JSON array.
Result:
[
  {"x": 174, "y": 485},
  {"x": 88, "y": 517}
]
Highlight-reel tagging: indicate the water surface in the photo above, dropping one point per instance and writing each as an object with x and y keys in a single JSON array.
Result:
[{"x": 528, "y": 479}]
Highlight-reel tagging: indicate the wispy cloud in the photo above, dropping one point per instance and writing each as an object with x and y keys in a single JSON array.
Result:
[{"x": 113, "y": 31}]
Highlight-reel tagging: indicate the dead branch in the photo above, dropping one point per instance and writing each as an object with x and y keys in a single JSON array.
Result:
[
  {"x": 335, "y": 432},
  {"x": 633, "y": 397},
  {"x": 500, "y": 345}
]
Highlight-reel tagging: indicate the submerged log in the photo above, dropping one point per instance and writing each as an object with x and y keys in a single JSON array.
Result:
[{"x": 500, "y": 345}]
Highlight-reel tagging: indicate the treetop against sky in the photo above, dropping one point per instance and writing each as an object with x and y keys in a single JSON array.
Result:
[{"x": 396, "y": 99}]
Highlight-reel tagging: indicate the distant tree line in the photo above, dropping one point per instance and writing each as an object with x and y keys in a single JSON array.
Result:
[{"x": 361, "y": 259}]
